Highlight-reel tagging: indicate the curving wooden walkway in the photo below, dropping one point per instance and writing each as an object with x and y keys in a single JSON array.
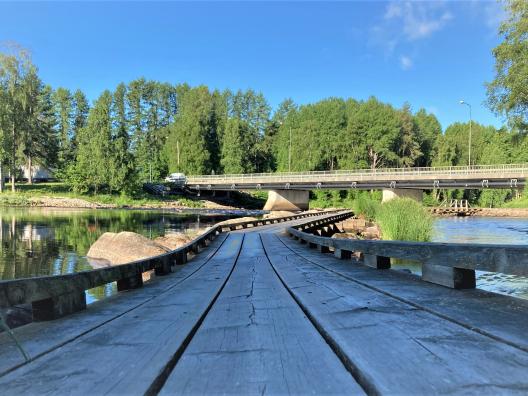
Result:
[{"x": 257, "y": 312}]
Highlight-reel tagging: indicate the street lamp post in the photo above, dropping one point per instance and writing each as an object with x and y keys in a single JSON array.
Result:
[{"x": 470, "y": 122}]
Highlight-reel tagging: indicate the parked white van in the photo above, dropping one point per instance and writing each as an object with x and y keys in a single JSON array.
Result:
[{"x": 177, "y": 178}]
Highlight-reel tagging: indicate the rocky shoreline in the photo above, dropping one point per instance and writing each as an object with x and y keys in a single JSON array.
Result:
[
  {"x": 78, "y": 203},
  {"x": 503, "y": 212}
]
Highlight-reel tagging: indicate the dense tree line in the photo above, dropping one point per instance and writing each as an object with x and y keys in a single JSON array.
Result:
[{"x": 143, "y": 130}]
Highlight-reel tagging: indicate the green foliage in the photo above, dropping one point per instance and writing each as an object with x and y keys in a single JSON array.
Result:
[
  {"x": 367, "y": 206},
  {"x": 405, "y": 220},
  {"x": 234, "y": 158},
  {"x": 508, "y": 92}
]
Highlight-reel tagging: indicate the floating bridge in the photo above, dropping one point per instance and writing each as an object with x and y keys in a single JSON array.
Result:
[
  {"x": 289, "y": 191},
  {"x": 275, "y": 306}
]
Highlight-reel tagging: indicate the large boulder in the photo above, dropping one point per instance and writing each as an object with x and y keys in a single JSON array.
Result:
[
  {"x": 354, "y": 225},
  {"x": 372, "y": 232},
  {"x": 124, "y": 247},
  {"x": 173, "y": 241}
]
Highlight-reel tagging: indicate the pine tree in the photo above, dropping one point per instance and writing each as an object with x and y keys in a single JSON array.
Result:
[
  {"x": 186, "y": 148},
  {"x": 121, "y": 166},
  {"x": 63, "y": 107},
  {"x": 233, "y": 153},
  {"x": 80, "y": 112},
  {"x": 94, "y": 153}
]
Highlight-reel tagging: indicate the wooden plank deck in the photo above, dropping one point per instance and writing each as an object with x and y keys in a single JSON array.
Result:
[{"x": 257, "y": 312}]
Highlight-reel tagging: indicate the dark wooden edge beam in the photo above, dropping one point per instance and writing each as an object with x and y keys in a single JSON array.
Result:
[{"x": 448, "y": 264}]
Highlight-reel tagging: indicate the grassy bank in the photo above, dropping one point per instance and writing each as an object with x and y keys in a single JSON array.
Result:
[
  {"x": 399, "y": 219},
  {"x": 32, "y": 194}
]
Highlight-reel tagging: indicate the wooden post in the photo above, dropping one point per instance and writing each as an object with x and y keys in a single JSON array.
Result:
[
  {"x": 59, "y": 306},
  {"x": 378, "y": 262},
  {"x": 323, "y": 249},
  {"x": 455, "y": 278},
  {"x": 342, "y": 254},
  {"x": 164, "y": 267},
  {"x": 181, "y": 258},
  {"x": 132, "y": 282}
]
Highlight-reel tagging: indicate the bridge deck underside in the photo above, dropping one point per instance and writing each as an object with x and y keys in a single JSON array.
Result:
[
  {"x": 423, "y": 184},
  {"x": 256, "y": 312}
]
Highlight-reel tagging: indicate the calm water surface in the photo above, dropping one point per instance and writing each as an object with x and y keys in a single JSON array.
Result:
[
  {"x": 510, "y": 231},
  {"x": 43, "y": 241}
]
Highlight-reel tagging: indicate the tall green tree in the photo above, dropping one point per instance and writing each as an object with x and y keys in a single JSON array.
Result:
[
  {"x": 186, "y": 148},
  {"x": 121, "y": 168},
  {"x": 508, "y": 92},
  {"x": 408, "y": 143},
  {"x": 20, "y": 90},
  {"x": 93, "y": 166},
  {"x": 429, "y": 131},
  {"x": 233, "y": 152},
  {"x": 374, "y": 132},
  {"x": 63, "y": 107},
  {"x": 80, "y": 111}
]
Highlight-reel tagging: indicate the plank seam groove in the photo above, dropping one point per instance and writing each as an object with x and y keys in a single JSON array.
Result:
[
  {"x": 352, "y": 368},
  {"x": 60, "y": 345},
  {"x": 162, "y": 377},
  {"x": 404, "y": 300}
]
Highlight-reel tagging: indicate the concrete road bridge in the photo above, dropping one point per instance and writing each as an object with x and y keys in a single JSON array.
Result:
[
  {"x": 275, "y": 307},
  {"x": 290, "y": 191}
]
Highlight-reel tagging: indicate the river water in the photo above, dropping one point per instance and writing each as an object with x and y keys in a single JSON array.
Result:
[
  {"x": 500, "y": 230},
  {"x": 41, "y": 241},
  {"x": 45, "y": 241}
]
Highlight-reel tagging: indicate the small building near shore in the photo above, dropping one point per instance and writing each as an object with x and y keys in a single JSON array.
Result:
[{"x": 39, "y": 173}]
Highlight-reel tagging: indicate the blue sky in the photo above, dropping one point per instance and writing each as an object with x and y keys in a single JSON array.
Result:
[{"x": 431, "y": 54}]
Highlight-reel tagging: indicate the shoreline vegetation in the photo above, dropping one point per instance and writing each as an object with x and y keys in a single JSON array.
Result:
[{"x": 59, "y": 195}]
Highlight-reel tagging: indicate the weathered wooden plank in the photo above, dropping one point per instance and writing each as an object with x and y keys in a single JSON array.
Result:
[
  {"x": 43, "y": 337},
  {"x": 280, "y": 226},
  {"x": 256, "y": 340},
  {"x": 500, "y": 317},
  {"x": 388, "y": 342},
  {"x": 128, "y": 354}
]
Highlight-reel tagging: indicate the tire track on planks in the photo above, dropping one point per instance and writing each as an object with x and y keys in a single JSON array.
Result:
[
  {"x": 412, "y": 303},
  {"x": 61, "y": 344},
  {"x": 350, "y": 366},
  {"x": 160, "y": 380}
]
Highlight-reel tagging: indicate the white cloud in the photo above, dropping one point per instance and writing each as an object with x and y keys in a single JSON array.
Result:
[
  {"x": 417, "y": 20},
  {"x": 405, "y": 62},
  {"x": 403, "y": 23}
]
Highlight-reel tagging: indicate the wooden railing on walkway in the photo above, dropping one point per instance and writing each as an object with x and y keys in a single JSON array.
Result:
[
  {"x": 448, "y": 264},
  {"x": 56, "y": 296}
]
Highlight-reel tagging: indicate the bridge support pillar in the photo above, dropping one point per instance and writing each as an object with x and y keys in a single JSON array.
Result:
[
  {"x": 392, "y": 193},
  {"x": 291, "y": 200}
]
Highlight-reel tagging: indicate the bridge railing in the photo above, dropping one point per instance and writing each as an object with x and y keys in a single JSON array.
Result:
[
  {"x": 447, "y": 264},
  {"x": 56, "y": 296},
  {"x": 519, "y": 170}
]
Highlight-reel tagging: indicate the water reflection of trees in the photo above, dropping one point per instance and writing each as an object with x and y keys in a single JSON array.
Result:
[
  {"x": 38, "y": 242},
  {"x": 42, "y": 241}
]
